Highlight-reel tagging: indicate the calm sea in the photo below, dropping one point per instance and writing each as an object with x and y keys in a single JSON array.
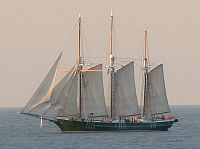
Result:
[{"x": 22, "y": 132}]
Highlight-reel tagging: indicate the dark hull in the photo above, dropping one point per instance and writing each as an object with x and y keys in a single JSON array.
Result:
[{"x": 67, "y": 125}]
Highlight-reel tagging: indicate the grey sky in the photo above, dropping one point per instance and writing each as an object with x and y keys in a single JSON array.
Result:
[{"x": 33, "y": 32}]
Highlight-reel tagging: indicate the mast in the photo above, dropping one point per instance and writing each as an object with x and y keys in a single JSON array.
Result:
[
  {"x": 79, "y": 68},
  {"x": 111, "y": 58},
  {"x": 145, "y": 68}
]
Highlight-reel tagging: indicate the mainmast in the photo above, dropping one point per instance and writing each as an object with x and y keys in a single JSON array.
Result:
[
  {"x": 145, "y": 68},
  {"x": 79, "y": 68},
  {"x": 111, "y": 65}
]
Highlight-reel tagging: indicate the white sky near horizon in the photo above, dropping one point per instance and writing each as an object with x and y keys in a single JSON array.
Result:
[{"x": 33, "y": 33}]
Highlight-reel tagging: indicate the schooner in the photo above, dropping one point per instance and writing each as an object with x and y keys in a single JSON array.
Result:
[{"x": 77, "y": 102}]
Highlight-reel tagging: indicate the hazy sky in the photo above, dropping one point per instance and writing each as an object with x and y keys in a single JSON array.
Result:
[{"x": 33, "y": 32}]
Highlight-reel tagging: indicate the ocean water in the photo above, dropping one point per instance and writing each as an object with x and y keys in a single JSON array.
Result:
[{"x": 23, "y": 132}]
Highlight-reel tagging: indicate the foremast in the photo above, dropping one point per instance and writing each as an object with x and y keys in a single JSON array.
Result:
[
  {"x": 79, "y": 68},
  {"x": 82, "y": 90},
  {"x": 111, "y": 64}
]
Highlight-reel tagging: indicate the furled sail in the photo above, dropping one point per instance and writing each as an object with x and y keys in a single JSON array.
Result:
[
  {"x": 64, "y": 96},
  {"x": 158, "y": 102},
  {"x": 124, "y": 98},
  {"x": 93, "y": 100},
  {"x": 39, "y": 102}
]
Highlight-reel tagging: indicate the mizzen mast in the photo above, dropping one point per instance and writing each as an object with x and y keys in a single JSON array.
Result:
[
  {"x": 145, "y": 68},
  {"x": 111, "y": 64},
  {"x": 79, "y": 68}
]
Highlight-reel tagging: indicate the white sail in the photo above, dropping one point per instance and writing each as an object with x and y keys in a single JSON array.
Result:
[
  {"x": 124, "y": 98},
  {"x": 64, "y": 95},
  {"x": 157, "y": 93},
  {"x": 39, "y": 102},
  {"x": 93, "y": 99}
]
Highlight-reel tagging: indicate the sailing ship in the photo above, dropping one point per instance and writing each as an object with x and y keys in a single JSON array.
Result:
[{"x": 77, "y": 102}]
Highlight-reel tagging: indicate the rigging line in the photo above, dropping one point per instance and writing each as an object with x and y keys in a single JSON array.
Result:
[
  {"x": 119, "y": 26},
  {"x": 129, "y": 58},
  {"x": 84, "y": 46},
  {"x": 117, "y": 40},
  {"x": 129, "y": 24},
  {"x": 148, "y": 54},
  {"x": 127, "y": 33},
  {"x": 96, "y": 36},
  {"x": 84, "y": 39},
  {"x": 38, "y": 116},
  {"x": 96, "y": 57},
  {"x": 69, "y": 36},
  {"x": 156, "y": 34},
  {"x": 115, "y": 37}
]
